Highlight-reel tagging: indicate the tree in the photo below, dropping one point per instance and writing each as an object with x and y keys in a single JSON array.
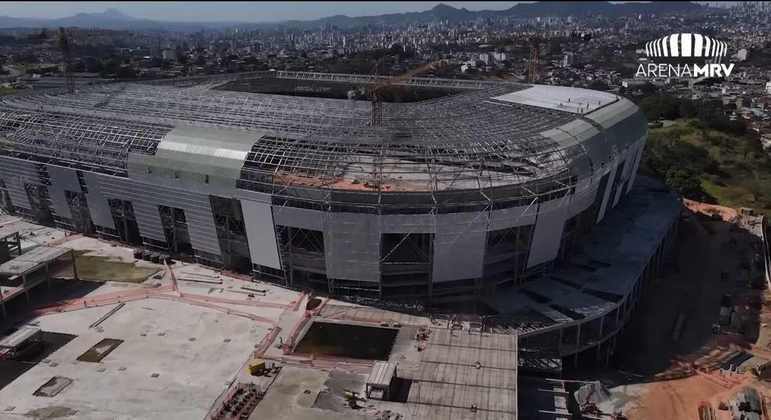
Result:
[
  {"x": 687, "y": 109},
  {"x": 685, "y": 181},
  {"x": 660, "y": 106},
  {"x": 598, "y": 85}
]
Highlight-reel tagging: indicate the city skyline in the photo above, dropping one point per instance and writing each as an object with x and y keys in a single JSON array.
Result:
[{"x": 233, "y": 11}]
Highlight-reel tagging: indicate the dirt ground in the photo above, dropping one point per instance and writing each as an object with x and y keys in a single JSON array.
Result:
[
  {"x": 680, "y": 399},
  {"x": 692, "y": 289},
  {"x": 99, "y": 268},
  {"x": 651, "y": 353}
]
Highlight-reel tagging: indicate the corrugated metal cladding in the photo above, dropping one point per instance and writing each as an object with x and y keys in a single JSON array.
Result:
[
  {"x": 205, "y": 159},
  {"x": 62, "y": 179},
  {"x": 15, "y": 173},
  {"x": 145, "y": 199}
]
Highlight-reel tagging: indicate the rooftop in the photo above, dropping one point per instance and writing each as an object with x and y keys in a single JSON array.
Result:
[{"x": 487, "y": 134}]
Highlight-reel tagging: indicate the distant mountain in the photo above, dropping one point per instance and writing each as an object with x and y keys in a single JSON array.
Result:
[
  {"x": 522, "y": 10},
  {"x": 114, "y": 19}
]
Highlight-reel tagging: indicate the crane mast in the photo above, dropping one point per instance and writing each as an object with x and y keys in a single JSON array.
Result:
[
  {"x": 65, "y": 46},
  {"x": 376, "y": 90}
]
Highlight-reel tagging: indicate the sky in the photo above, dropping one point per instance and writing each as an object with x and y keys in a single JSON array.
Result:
[
  {"x": 212, "y": 11},
  {"x": 233, "y": 11}
]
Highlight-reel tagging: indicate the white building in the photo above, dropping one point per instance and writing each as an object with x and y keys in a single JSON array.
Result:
[
  {"x": 568, "y": 59},
  {"x": 742, "y": 54}
]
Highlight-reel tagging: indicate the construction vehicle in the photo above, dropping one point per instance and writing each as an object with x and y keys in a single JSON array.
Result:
[
  {"x": 258, "y": 367},
  {"x": 353, "y": 398}
]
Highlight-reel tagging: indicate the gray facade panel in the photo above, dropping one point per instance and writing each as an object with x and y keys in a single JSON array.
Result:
[
  {"x": 149, "y": 220},
  {"x": 300, "y": 218},
  {"x": 624, "y": 171},
  {"x": 145, "y": 200},
  {"x": 260, "y": 232},
  {"x": 639, "y": 148},
  {"x": 62, "y": 179},
  {"x": 459, "y": 246},
  {"x": 604, "y": 205},
  {"x": 513, "y": 217},
  {"x": 404, "y": 223},
  {"x": 200, "y": 224},
  {"x": 15, "y": 174},
  {"x": 352, "y": 247},
  {"x": 97, "y": 202},
  {"x": 586, "y": 191},
  {"x": 548, "y": 231}
]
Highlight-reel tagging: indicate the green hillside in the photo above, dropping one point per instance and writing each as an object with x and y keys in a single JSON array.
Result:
[{"x": 709, "y": 165}]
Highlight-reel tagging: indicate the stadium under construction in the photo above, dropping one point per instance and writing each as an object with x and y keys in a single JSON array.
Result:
[{"x": 519, "y": 196}]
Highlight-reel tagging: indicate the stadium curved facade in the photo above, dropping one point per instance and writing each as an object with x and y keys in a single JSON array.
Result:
[{"x": 482, "y": 186}]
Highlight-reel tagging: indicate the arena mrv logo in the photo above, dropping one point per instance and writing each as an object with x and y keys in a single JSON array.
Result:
[{"x": 681, "y": 53}]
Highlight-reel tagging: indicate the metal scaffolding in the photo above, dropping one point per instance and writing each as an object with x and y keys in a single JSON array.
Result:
[
  {"x": 461, "y": 142},
  {"x": 79, "y": 141}
]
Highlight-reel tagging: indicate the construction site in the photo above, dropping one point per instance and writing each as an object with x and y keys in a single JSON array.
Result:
[
  {"x": 292, "y": 245},
  {"x": 218, "y": 345}
]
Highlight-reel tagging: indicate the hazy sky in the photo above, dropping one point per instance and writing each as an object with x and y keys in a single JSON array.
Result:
[
  {"x": 232, "y": 11},
  {"x": 237, "y": 11}
]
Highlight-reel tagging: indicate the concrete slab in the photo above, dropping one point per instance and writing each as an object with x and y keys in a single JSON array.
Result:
[
  {"x": 184, "y": 345},
  {"x": 287, "y": 398}
]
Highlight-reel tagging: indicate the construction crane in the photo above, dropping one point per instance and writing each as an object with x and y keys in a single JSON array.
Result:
[
  {"x": 65, "y": 46},
  {"x": 532, "y": 65},
  {"x": 375, "y": 92}
]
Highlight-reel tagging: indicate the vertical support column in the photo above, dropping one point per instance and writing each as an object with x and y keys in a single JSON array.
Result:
[
  {"x": 18, "y": 242},
  {"x": 578, "y": 344},
  {"x": 74, "y": 266},
  {"x": 290, "y": 253},
  {"x": 611, "y": 350},
  {"x": 559, "y": 344},
  {"x": 598, "y": 358},
  {"x": 602, "y": 327},
  {"x": 24, "y": 285}
]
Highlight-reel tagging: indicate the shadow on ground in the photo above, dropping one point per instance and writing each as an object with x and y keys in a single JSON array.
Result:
[{"x": 710, "y": 263}]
